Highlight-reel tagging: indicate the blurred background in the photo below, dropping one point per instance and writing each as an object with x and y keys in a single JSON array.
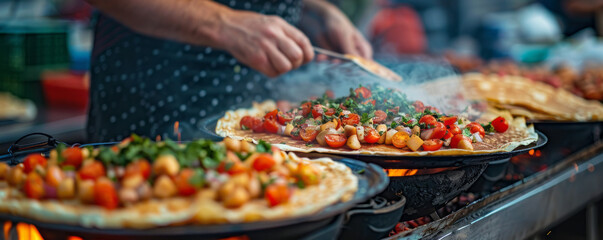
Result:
[{"x": 45, "y": 50}]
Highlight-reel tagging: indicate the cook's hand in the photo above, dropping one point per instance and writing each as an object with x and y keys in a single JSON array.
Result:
[
  {"x": 265, "y": 43},
  {"x": 334, "y": 31}
]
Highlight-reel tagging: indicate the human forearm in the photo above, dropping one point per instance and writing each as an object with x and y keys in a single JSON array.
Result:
[
  {"x": 266, "y": 43},
  {"x": 195, "y": 22}
]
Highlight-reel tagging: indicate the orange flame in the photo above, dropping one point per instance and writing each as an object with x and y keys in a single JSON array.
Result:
[
  {"x": 411, "y": 172},
  {"x": 177, "y": 130},
  {"x": 401, "y": 172},
  {"x": 27, "y": 231},
  {"x": 531, "y": 152}
]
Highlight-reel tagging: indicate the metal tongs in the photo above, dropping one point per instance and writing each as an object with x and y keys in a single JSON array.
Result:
[{"x": 366, "y": 64}]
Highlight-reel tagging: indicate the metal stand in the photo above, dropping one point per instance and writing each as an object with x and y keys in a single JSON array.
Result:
[{"x": 592, "y": 221}]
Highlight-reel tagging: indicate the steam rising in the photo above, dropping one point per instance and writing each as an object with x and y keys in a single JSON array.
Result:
[{"x": 418, "y": 75}]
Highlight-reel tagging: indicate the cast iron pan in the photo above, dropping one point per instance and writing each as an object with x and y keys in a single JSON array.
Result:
[
  {"x": 372, "y": 180},
  {"x": 428, "y": 192},
  {"x": 208, "y": 127}
]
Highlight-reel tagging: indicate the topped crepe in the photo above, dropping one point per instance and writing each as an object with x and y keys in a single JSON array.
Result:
[
  {"x": 375, "y": 121},
  {"x": 142, "y": 184}
]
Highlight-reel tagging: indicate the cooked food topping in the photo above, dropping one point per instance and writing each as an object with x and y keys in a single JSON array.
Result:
[
  {"x": 373, "y": 116},
  {"x": 138, "y": 169}
]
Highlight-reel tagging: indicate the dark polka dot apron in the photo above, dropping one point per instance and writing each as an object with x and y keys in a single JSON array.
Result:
[{"x": 144, "y": 85}]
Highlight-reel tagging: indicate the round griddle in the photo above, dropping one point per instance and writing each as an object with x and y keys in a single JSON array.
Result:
[
  {"x": 208, "y": 127},
  {"x": 371, "y": 181}
]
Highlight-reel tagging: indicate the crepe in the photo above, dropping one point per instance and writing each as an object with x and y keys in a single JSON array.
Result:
[
  {"x": 228, "y": 126},
  {"x": 338, "y": 184},
  {"x": 534, "y": 100}
]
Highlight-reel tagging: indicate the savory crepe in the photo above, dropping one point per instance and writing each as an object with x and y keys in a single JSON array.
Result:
[
  {"x": 535, "y": 100},
  {"x": 404, "y": 122},
  {"x": 141, "y": 184}
]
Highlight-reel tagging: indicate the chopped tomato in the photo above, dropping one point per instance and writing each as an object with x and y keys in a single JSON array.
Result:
[
  {"x": 428, "y": 120},
  {"x": 308, "y": 134},
  {"x": 140, "y": 166},
  {"x": 257, "y": 124},
  {"x": 371, "y": 101},
  {"x": 263, "y": 162},
  {"x": 284, "y": 118},
  {"x": 33, "y": 160},
  {"x": 54, "y": 175},
  {"x": 449, "y": 120},
  {"x": 73, "y": 157},
  {"x": 342, "y": 107},
  {"x": 371, "y": 135},
  {"x": 476, "y": 127},
  {"x": 246, "y": 121},
  {"x": 351, "y": 119},
  {"x": 34, "y": 186},
  {"x": 395, "y": 110},
  {"x": 432, "y": 144},
  {"x": 433, "y": 109},
  {"x": 306, "y": 108},
  {"x": 105, "y": 194},
  {"x": 271, "y": 126},
  {"x": 454, "y": 129},
  {"x": 231, "y": 165},
  {"x": 182, "y": 182},
  {"x": 92, "y": 171},
  {"x": 336, "y": 140},
  {"x": 380, "y": 116},
  {"x": 500, "y": 124},
  {"x": 330, "y": 112},
  {"x": 276, "y": 194},
  {"x": 330, "y": 94},
  {"x": 419, "y": 106},
  {"x": 458, "y": 138},
  {"x": 448, "y": 135},
  {"x": 400, "y": 138},
  {"x": 307, "y": 173},
  {"x": 317, "y": 110},
  {"x": 295, "y": 133},
  {"x": 439, "y": 131},
  {"x": 271, "y": 115},
  {"x": 363, "y": 92}
]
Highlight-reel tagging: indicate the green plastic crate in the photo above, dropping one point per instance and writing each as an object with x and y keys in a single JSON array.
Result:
[{"x": 28, "y": 49}]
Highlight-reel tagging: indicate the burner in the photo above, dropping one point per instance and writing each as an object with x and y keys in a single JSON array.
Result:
[{"x": 431, "y": 191}]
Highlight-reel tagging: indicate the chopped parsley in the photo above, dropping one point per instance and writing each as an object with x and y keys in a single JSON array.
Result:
[
  {"x": 365, "y": 118},
  {"x": 60, "y": 147},
  {"x": 228, "y": 166},
  {"x": 198, "y": 179},
  {"x": 467, "y": 132},
  {"x": 263, "y": 147},
  {"x": 488, "y": 127}
]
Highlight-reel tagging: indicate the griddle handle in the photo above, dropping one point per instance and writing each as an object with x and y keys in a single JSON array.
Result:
[{"x": 15, "y": 147}]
